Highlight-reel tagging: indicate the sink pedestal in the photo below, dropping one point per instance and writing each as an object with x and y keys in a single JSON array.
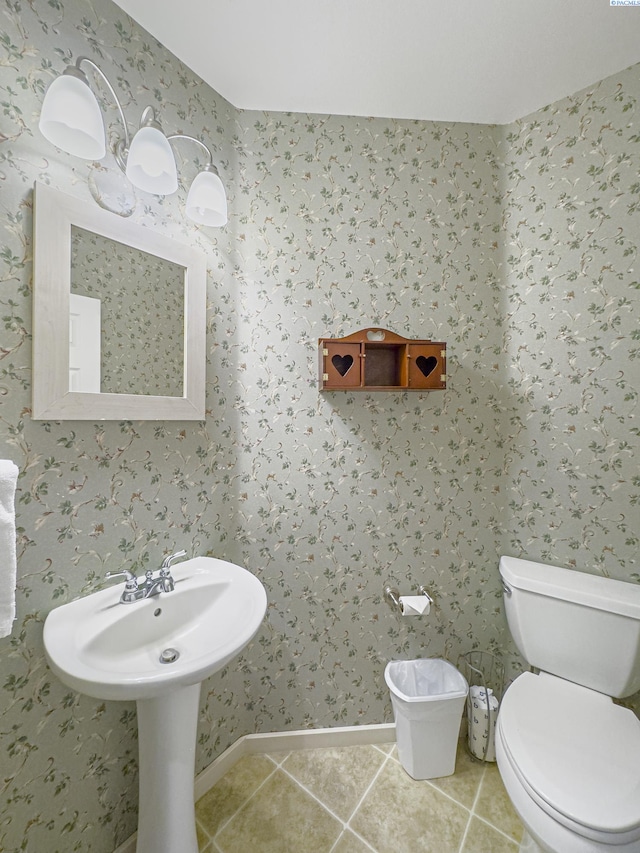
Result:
[{"x": 167, "y": 729}]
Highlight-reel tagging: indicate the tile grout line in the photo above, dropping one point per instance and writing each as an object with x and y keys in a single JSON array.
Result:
[
  {"x": 496, "y": 828},
  {"x": 268, "y": 755},
  {"x": 378, "y": 747},
  {"x": 203, "y": 830},
  {"x": 440, "y": 791},
  {"x": 362, "y": 840},
  {"x": 435, "y": 787},
  {"x": 345, "y": 824},
  {"x": 361, "y": 801},
  {"x": 279, "y": 766},
  {"x": 485, "y": 820},
  {"x": 472, "y": 811},
  {"x": 240, "y": 807},
  {"x": 324, "y": 806}
]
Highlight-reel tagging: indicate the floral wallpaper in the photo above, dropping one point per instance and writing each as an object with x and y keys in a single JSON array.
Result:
[
  {"x": 516, "y": 245},
  {"x": 571, "y": 328},
  {"x": 141, "y": 301}
]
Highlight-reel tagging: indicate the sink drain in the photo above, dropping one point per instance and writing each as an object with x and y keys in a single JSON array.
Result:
[{"x": 169, "y": 655}]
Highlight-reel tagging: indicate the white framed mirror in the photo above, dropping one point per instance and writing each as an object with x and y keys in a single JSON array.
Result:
[{"x": 119, "y": 319}]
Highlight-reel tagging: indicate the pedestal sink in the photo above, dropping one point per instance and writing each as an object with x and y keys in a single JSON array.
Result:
[{"x": 157, "y": 652}]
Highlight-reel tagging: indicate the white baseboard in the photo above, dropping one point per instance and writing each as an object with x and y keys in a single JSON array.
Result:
[
  {"x": 281, "y": 742},
  {"x": 129, "y": 846},
  {"x": 285, "y": 741}
]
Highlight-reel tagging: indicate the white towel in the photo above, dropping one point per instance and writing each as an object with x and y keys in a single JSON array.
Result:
[{"x": 8, "y": 478}]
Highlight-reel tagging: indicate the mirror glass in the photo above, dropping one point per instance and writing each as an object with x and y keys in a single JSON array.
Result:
[
  {"x": 125, "y": 330},
  {"x": 119, "y": 317}
]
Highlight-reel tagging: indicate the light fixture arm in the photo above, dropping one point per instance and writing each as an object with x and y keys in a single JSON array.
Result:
[
  {"x": 123, "y": 144},
  {"x": 209, "y": 166}
]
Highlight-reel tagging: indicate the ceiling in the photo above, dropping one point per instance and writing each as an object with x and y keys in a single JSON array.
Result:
[{"x": 488, "y": 61}]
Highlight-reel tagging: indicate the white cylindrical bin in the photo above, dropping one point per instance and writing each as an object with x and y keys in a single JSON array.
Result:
[{"x": 428, "y": 697}]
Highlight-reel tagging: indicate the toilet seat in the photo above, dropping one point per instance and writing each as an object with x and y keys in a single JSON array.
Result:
[{"x": 577, "y": 755}]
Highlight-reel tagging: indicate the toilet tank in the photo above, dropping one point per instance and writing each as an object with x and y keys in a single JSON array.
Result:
[{"x": 575, "y": 625}]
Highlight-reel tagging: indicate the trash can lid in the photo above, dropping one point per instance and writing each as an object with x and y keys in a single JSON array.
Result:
[{"x": 425, "y": 679}]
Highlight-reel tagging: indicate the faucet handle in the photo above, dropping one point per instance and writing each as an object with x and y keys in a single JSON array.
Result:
[
  {"x": 131, "y": 582},
  {"x": 166, "y": 563}
]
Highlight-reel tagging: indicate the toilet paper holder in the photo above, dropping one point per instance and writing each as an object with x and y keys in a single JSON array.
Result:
[{"x": 392, "y": 596}]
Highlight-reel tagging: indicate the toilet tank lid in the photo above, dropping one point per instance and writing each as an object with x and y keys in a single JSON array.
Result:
[{"x": 569, "y": 584}]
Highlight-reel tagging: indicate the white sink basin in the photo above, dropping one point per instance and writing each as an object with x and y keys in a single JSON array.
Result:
[{"x": 110, "y": 650}]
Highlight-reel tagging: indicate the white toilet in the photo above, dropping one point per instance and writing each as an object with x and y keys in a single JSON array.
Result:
[{"x": 568, "y": 756}]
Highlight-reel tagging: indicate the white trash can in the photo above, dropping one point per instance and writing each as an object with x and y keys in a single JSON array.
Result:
[{"x": 428, "y": 697}]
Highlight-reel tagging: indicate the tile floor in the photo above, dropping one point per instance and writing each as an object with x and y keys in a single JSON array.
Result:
[{"x": 355, "y": 799}]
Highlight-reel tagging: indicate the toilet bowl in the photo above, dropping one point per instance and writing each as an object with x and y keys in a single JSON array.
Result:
[
  {"x": 568, "y": 755},
  {"x": 570, "y": 761}
]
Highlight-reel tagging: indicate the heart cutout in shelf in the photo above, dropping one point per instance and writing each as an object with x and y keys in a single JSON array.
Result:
[
  {"x": 342, "y": 363},
  {"x": 426, "y": 365}
]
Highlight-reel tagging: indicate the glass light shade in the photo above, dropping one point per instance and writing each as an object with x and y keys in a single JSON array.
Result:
[
  {"x": 207, "y": 201},
  {"x": 71, "y": 118},
  {"x": 151, "y": 165}
]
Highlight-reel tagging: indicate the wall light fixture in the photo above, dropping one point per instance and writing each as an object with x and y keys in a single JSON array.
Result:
[{"x": 71, "y": 119}]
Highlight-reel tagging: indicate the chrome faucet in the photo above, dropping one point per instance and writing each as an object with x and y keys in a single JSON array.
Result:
[
  {"x": 135, "y": 591},
  {"x": 165, "y": 569},
  {"x": 132, "y": 591}
]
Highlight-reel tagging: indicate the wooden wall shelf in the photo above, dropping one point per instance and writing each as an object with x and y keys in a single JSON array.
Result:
[{"x": 379, "y": 360}]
